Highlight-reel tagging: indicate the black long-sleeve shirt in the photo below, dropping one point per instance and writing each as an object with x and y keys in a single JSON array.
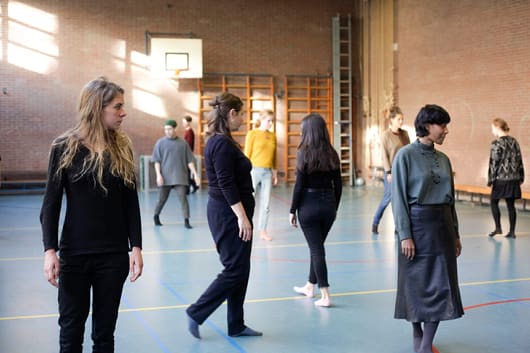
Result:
[
  {"x": 227, "y": 170},
  {"x": 316, "y": 180},
  {"x": 96, "y": 221}
]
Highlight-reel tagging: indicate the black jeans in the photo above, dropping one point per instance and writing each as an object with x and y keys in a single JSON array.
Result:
[
  {"x": 316, "y": 213},
  {"x": 105, "y": 274},
  {"x": 234, "y": 254}
]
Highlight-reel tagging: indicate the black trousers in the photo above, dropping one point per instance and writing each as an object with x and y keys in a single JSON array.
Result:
[
  {"x": 105, "y": 275},
  {"x": 234, "y": 254},
  {"x": 163, "y": 195},
  {"x": 316, "y": 213}
]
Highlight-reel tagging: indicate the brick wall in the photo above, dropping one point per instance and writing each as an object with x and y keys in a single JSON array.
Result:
[
  {"x": 50, "y": 49},
  {"x": 473, "y": 58}
]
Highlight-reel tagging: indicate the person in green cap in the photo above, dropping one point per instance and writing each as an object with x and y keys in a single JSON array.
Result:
[{"x": 172, "y": 157}]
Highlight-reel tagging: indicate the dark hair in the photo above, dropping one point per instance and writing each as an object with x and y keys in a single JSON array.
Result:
[
  {"x": 393, "y": 112},
  {"x": 218, "y": 119},
  {"x": 315, "y": 152},
  {"x": 430, "y": 114},
  {"x": 188, "y": 118},
  {"x": 501, "y": 124}
]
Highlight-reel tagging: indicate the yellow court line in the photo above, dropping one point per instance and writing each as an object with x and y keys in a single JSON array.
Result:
[
  {"x": 265, "y": 300},
  {"x": 271, "y": 246}
]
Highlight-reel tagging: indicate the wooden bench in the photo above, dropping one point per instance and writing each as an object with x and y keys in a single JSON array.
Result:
[
  {"x": 473, "y": 191},
  {"x": 482, "y": 191}
]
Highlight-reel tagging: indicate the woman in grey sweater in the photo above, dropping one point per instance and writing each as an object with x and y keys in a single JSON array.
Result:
[{"x": 423, "y": 204}]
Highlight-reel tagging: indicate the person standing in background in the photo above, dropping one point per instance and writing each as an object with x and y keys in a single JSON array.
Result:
[
  {"x": 93, "y": 164},
  {"x": 392, "y": 140},
  {"x": 316, "y": 198},
  {"x": 189, "y": 137},
  {"x": 260, "y": 148},
  {"x": 229, "y": 211},
  {"x": 505, "y": 174},
  {"x": 423, "y": 203},
  {"x": 173, "y": 157}
]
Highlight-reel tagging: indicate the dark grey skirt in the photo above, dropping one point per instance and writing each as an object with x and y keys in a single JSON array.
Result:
[
  {"x": 428, "y": 285},
  {"x": 506, "y": 189}
]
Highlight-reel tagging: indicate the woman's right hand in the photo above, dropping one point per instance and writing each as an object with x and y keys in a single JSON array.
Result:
[
  {"x": 408, "y": 249},
  {"x": 51, "y": 267},
  {"x": 245, "y": 228},
  {"x": 159, "y": 180},
  {"x": 292, "y": 220}
]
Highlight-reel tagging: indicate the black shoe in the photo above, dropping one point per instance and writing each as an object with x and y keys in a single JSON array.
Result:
[
  {"x": 247, "y": 332},
  {"x": 510, "y": 235},
  {"x": 156, "y": 219},
  {"x": 374, "y": 229},
  {"x": 495, "y": 232},
  {"x": 187, "y": 224}
]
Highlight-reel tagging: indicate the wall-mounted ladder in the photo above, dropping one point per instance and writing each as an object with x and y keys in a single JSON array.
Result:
[
  {"x": 256, "y": 92},
  {"x": 342, "y": 95},
  {"x": 304, "y": 94}
]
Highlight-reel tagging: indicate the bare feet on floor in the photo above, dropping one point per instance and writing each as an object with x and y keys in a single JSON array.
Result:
[
  {"x": 305, "y": 290},
  {"x": 324, "y": 302},
  {"x": 263, "y": 235}
]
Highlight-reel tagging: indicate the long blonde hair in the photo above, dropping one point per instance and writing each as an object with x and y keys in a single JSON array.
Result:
[{"x": 100, "y": 141}]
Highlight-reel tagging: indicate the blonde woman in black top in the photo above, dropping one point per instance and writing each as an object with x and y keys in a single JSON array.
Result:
[
  {"x": 505, "y": 174},
  {"x": 93, "y": 165}
]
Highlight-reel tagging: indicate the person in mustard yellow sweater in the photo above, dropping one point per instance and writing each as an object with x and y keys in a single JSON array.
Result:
[{"x": 260, "y": 148}]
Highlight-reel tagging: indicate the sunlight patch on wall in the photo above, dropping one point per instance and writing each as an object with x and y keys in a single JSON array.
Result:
[
  {"x": 119, "y": 53},
  {"x": 148, "y": 103},
  {"x": 139, "y": 59},
  {"x": 32, "y": 17},
  {"x": 141, "y": 76},
  {"x": 30, "y": 60},
  {"x": 31, "y": 38}
]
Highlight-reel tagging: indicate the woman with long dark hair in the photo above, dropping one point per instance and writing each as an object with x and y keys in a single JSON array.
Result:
[
  {"x": 316, "y": 198},
  {"x": 229, "y": 212},
  {"x": 93, "y": 164}
]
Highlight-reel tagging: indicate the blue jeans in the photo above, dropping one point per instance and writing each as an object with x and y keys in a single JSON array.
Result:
[
  {"x": 384, "y": 202},
  {"x": 263, "y": 178}
]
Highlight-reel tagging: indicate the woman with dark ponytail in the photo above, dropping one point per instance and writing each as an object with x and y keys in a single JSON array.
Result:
[{"x": 229, "y": 212}]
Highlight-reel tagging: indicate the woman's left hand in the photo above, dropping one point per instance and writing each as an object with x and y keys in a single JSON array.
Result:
[
  {"x": 458, "y": 244},
  {"x": 136, "y": 263}
]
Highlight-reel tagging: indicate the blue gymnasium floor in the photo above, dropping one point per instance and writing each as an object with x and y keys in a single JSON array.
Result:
[{"x": 179, "y": 264}]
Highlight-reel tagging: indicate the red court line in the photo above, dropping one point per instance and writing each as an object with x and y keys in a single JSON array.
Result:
[{"x": 496, "y": 302}]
